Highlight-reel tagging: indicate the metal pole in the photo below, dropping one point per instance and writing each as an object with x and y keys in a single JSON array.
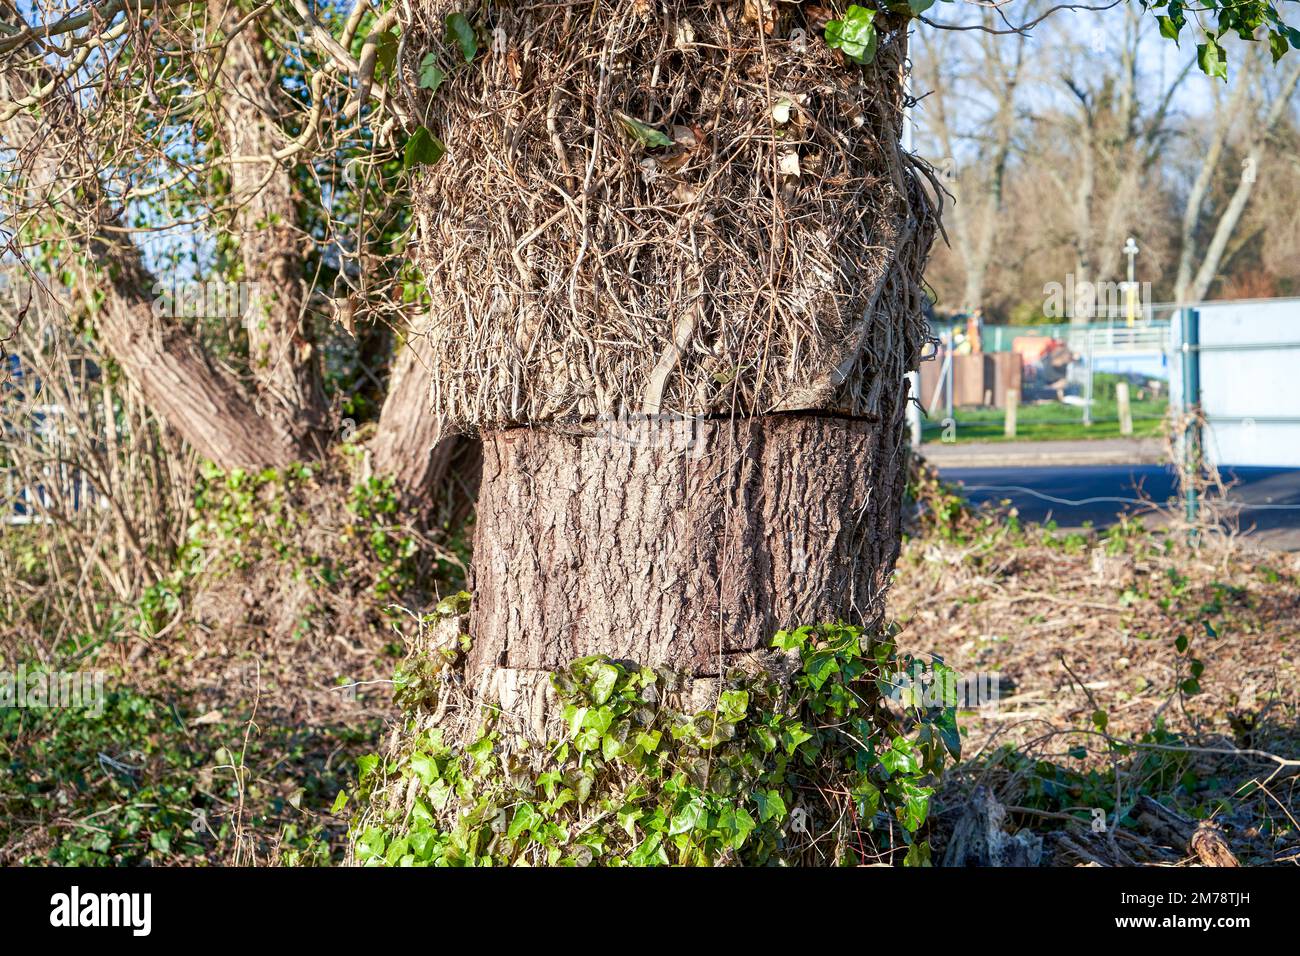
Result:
[
  {"x": 913, "y": 378},
  {"x": 1087, "y": 393},
  {"x": 914, "y": 407},
  {"x": 948, "y": 379},
  {"x": 1191, "y": 340},
  {"x": 943, "y": 378}
]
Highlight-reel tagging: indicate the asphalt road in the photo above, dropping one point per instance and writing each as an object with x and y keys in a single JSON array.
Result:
[{"x": 1269, "y": 497}]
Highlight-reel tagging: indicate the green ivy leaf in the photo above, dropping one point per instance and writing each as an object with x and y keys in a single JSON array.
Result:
[
  {"x": 1175, "y": 13},
  {"x": 950, "y": 735},
  {"x": 431, "y": 76},
  {"x": 371, "y": 844},
  {"x": 688, "y": 817},
  {"x": 900, "y": 757},
  {"x": 627, "y": 819},
  {"x": 460, "y": 31},
  {"x": 366, "y": 766},
  {"x": 422, "y": 149},
  {"x": 480, "y": 749},
  {"x": 650, "y": 852},
  {"x": 770, "y": 805},
  {"x": 916, "y": 805},
  {"x": 526, "y": 818},
  {"x": 421, "y": 815},
  {"x": 744, "y": 826},
  {"x": 792, "y": 735},
  {"x": 732, "y": 705},
  {"x": 790, "y": 640},
  {"x": 424, "y": 768},
  {"x": 855, "y": 35},
  {"x": 606, "y": 676},
  {"x": 547, "y": 781},
  {"x": 820, "y": 667},
  {"x": 422, "y": 843},
  {"x": 574, "y": 716},
  {"x": 598, "y": 719},
  {"x": 610, "y": 747}
]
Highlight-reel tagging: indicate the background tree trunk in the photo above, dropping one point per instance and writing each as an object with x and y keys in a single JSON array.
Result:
[
  {"x": 1194, "y": 290},
  {"x": 411, "y": 445},
  {"x": 206, "y": 405},
  {"x": 281, "y": 344},
  {"x": 979, "y": 190}
]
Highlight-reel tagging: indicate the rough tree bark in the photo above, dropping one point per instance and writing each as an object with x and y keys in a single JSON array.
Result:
[
  {"x": 690, "y": 542},
  {"x": 410, "y": 444}
]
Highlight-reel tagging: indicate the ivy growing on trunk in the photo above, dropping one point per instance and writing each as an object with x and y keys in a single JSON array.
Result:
[{"x": 801, "y": 763}]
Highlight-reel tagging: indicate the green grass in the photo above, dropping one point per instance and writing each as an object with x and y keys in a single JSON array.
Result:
[{"x": 1052, "y": 421}]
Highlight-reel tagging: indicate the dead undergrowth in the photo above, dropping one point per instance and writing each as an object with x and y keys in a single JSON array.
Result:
[{"x": 1146, "y": 681}]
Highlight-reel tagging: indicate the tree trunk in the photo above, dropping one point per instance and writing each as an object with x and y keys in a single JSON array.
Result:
[
  {"x": 1236, "y": 206},
  {"x": 589, "y": 269},
  {"x": 282, "y": 422},
  {"x": 202, "y": 401},
  {"x": 281, "y": 346},
  {"x": 977, "y": 212},
  {"x": 411, "y": 444},
  {"x": 681, "y": 541}
]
